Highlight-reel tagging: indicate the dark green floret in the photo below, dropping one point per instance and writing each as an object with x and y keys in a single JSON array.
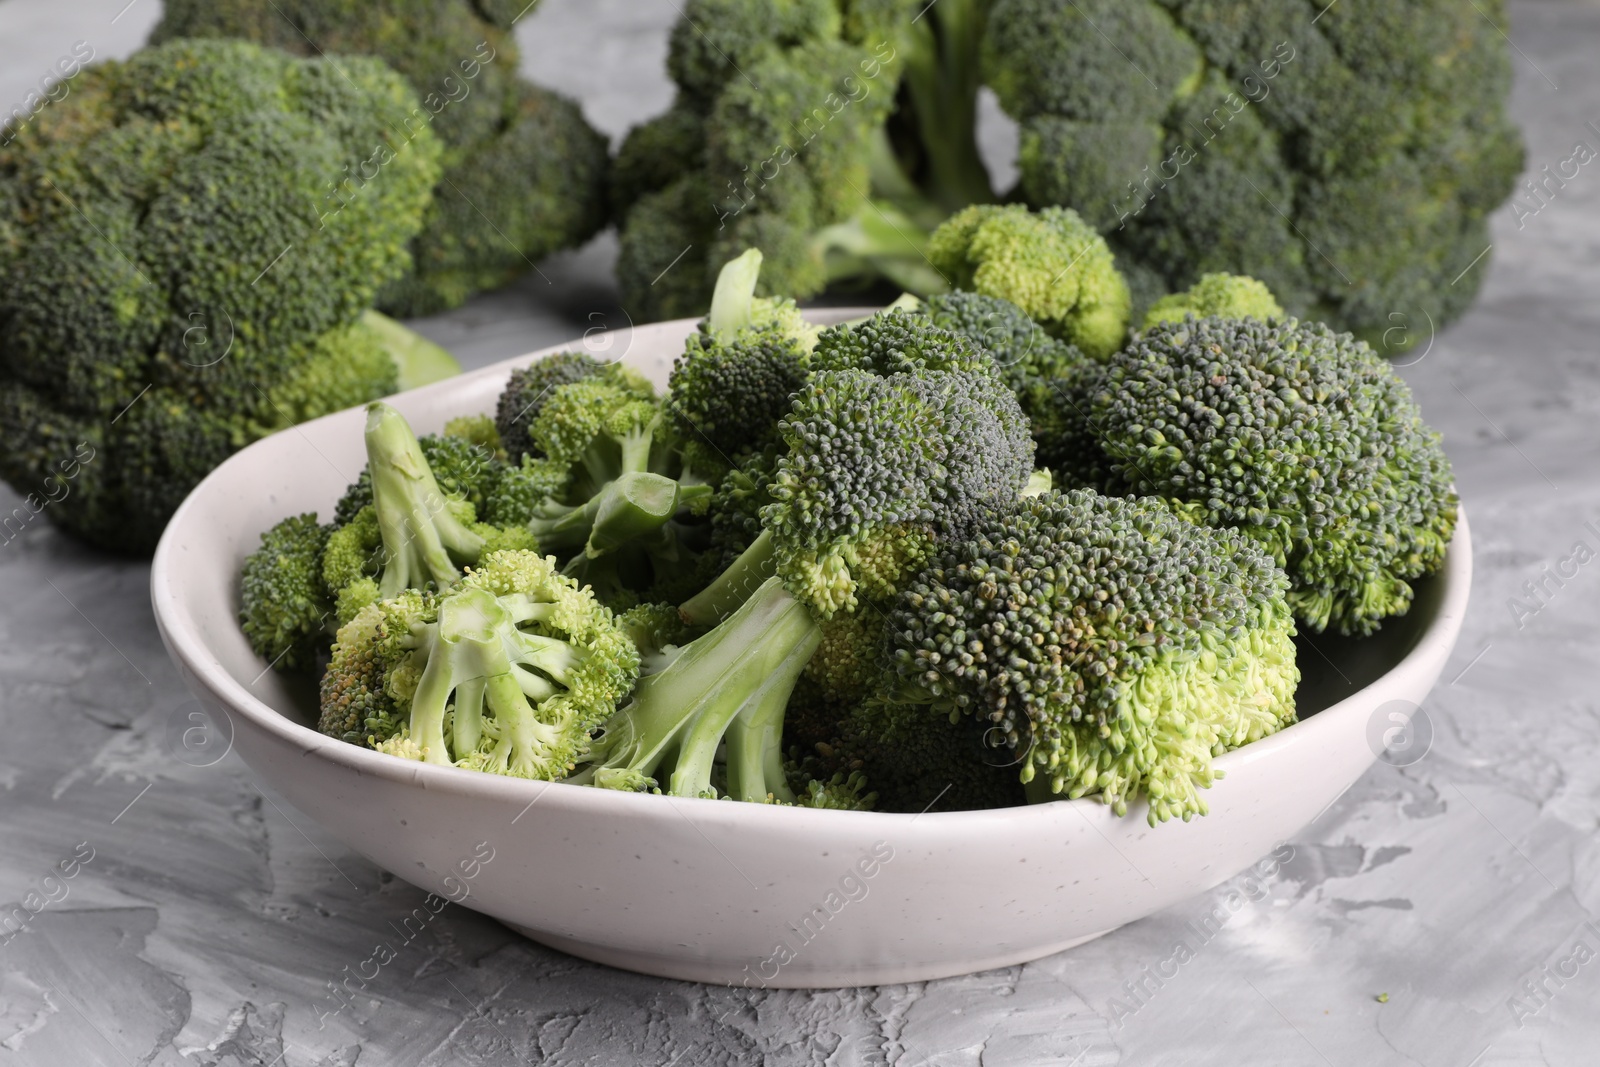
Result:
[
  {"x": 1301, "y": 438},
  {"x": 528, "y": 391},
  {"x": 284, "y": 609},
  {"x": 1036, "y": 365},
  {"x": 524, "y": 174},
  {"x": 734, "y": 380},
  {"x": 875, "y": 470},
  {"x": 179, "y": 279},
  {"x": 1113, "y": 646}
]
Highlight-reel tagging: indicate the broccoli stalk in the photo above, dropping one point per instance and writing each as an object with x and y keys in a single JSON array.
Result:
[
  {"x": 723, "y": 595},
  {"x": 730, "y": 686},
  {"x": 941, "y": 81},
  {"x": 422, "y": 538}
]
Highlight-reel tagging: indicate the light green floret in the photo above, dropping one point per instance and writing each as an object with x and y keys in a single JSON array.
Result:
[
  {"x": 1114, "y": 646},
  {"x": 1051, "y": 264},
  {"x": 738, "y": 314},
  {"x": 1173, "y": 718},
  {"x": 508, "y": 672},
  {"x": 413, "y": 534},
  {"x": 1228, "y": 296}
]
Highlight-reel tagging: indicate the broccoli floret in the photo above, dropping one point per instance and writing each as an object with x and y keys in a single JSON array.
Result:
[
  {"x": 524, "y": 174},
  {"x": 1051, "y": 264},
  {"x": 1228, "y": 296},
  {"x": 1300, "y": 437},
  {"x": 413, "y": 533},
  {"x": 933, "y": 432},
  {"x": 1113, "y": 646},
  {"x": 619, "y": 483},
  {"x": 1349, "y": 165},
  {"x": 180, "y": 280},
  {"x": 525, "y": 394},
  {"x": 724, "y": 400},
  {"x": 463, "y": 468},
  {"x": 733, "y": 382},
  {"x": 876, "y": 469},
  {"x": 507, "y": 673},
  {"x": 769, "y": 141},
  {"x": 284, "y": 607},
  {"x": 1036, "y": 365}
]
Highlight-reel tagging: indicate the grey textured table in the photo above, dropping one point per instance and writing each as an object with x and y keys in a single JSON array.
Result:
[{"x": 209, "y": 917}]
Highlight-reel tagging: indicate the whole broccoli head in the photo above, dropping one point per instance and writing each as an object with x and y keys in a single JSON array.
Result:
[
  {"x": 180, "y": 280},
  {"x": 1113, "y": 645},
  {"x": 524, "y": 174},
  {"x": 1348, "y": 163},
  {"x": 507, "y": 672},
  {"x": 770, "y": 140},
  {"x": 1303, "y": 439},
  {"x": 1051, "y": 264}
]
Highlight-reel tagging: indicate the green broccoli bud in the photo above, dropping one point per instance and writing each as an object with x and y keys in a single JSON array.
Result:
[
  {"x": 1228, "y": 296},
  {"x": 1113, "y": 646},
  {"x": 284, "y": 606},
  {"x": 1303, "y": 439}
]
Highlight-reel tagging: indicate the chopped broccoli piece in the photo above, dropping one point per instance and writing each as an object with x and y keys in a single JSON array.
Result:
[
  {"x": 1112, "y": 645},
  {"x": 1051, "y": 264},
  {"x": 1302, "y": 438},
  {"x": 530, "y": 387},
  {"x": 284, "y": 608},
  {"x": 507, "y": 672},
  {"x": 1229, "y": 296}
]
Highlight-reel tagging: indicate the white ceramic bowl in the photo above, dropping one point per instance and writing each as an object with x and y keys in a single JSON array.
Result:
[{"x": 717, "y": 891}]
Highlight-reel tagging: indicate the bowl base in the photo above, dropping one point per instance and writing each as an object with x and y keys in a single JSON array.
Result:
[{"x": 795, "y": 975}]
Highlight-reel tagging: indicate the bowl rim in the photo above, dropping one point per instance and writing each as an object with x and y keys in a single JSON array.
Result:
[{"x": 186, "y": 644}]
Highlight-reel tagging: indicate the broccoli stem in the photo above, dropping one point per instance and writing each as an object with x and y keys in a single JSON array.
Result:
[
  {"x": 755, "y": 736},
  {"x": 627, "y": 509},
  {"x": 733, "y": 586},
  {"x": 734, "y": 682},
  {"x": 463, "y": 648},
  {"x": 942, "y": 80},
  {"x": 887, "y": 236},
  {"x": 420, "y": 534},
  {"x": 733, "y": 299}
]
